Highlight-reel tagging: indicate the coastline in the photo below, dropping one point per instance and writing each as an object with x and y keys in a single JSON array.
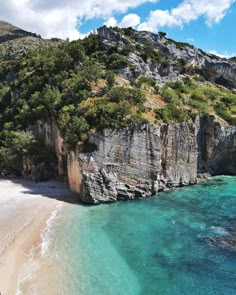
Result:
[{"x": 25, "y": 208}]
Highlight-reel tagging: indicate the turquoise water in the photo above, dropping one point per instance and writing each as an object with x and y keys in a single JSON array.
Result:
[{"x": 164, "y": 245}]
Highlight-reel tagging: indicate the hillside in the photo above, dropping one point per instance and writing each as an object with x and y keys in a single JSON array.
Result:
[
  {"x": 9, "y": 32},
  {"x": 111, "y": 79}
]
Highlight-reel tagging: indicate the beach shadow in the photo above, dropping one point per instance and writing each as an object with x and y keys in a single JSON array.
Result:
[{"x": 50, "y": 189}]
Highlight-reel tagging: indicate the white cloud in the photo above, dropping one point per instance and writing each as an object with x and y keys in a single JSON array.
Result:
[
  {"x": 188, "y": 10},
  {"x": 130, "y": 20},
  {"x": 56, "y": 18},
  {"x": 190, "y": 40},
  {"x": 111, "y": 22},
  {"x": 159, "y": 18},
  {"x": 224, "y": 55}
]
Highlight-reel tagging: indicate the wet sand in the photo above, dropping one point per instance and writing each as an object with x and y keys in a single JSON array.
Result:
[{"x": 25, "y": 208}]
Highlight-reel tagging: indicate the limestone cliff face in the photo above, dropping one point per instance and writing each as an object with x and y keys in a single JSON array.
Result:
[
  {"x": 68, "y": 162},
  {"x": 74, "y": 173},
  {"x": 138, "y": 161},
  {"x": 217, "y": 147},
  {"x": 142, "y": 159},
  {"x": 49, "y": 133}
]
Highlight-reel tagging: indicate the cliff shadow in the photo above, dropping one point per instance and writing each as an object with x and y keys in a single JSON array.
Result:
[{"x": 50, "y": 189}]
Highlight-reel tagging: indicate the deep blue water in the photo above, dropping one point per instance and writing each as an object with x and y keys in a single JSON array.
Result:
[{"x": 181, "y": 242}]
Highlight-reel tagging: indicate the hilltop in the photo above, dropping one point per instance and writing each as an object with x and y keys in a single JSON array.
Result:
[{"x": 9, "y": 32}]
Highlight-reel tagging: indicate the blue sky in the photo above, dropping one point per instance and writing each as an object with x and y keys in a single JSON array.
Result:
[{"x": 208, "y": 24}]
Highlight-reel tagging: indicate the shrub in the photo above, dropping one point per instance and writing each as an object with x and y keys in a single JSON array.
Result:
[
  {"x": 51, "y": 98},
  {"x": 171, "y": 113},
  {"x": 223, "y": 113},
  {"x": 110, "y": 77},
  {"x": 78, "y": 131},
  {"x": 130, "y": 32},
  {"x": 127, "y": 49},
  {"x": 146, "y": 80},
  {"x": 64, "y": 117},
  {"x": 117, "y": 61},
  {"x": 133, "y": 96},
  {"x": 197, "y": 95},
  {"x": 162, "y": 34},
  {"x": 169, "y": 94},
  {"x": 76, "y": 51},
  {"x": 110, "y": 115}
]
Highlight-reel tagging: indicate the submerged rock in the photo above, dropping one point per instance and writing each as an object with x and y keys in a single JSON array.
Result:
[{"x": 226, "y": 242}]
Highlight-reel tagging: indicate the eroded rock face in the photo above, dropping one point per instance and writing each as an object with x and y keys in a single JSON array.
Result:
[
  {"x": 138, "y": 161},
  {"x": 143, "y": 159},
  {"x": 217, "y": 147}
]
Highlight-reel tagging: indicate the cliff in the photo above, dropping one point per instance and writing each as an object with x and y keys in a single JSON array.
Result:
[
  {"x": 216, "y": 147},
  {"x": 143, "y": 159},
  {"x": 138, "y": 161}
]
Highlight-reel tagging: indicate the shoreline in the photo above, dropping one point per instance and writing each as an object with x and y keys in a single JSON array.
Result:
[{"x": 25, "y": 209}]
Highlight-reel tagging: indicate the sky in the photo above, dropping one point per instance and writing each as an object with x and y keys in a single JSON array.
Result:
[{"x": 207, "y": 24}]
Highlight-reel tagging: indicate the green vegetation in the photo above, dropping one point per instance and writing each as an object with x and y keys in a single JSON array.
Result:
[
  {"x": 146, "y": 81},
  {"x": 75, "y": 84},
  {"x": 171, "y": 113},
  {"x": 162, "y": 34},
  {"x": 198, "y": 99},
  {"x": 57, "y": 83},
  {"x": 233, "y": 59},
  {"x": 179, "y": 45},
  {"x": 19, "y": 149},
  {"x": 117, "y": 61},
  {"x": 149, "y": 52},
  {"x": 119, "y": 107}
]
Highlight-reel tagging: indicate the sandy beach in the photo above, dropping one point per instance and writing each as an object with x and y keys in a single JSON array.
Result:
[{"x": 25, "y": 208}]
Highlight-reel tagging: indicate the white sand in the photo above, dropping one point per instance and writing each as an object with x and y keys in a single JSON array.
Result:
[{"x": 24, "y": 209}]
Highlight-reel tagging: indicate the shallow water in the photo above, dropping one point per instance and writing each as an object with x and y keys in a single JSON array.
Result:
[{"x": 163, "y": 245}]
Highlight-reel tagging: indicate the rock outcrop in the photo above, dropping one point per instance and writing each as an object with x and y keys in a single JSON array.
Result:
[
  {"x": 143, "y": 159},
  {"x": 217, "y": 147},
  {"x": 9, "y": 32},
  {"x": 138, "y": 161},
  {"x": 179, "y": 57}
]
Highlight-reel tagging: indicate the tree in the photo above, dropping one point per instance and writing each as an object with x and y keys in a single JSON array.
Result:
[
  {"x": 14, "y": 146},
  {"x": 110, "y": 79},
  {"x": 51, "y": 98},
  {"x": 162, "y": 34},
  {"x": 133, "y": 96},
  {"x": 77, "y": 131},
  {"x": 76, "y": 51}
]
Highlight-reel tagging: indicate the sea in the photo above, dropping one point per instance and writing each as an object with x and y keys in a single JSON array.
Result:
[{"x": 181, "y": 242}]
